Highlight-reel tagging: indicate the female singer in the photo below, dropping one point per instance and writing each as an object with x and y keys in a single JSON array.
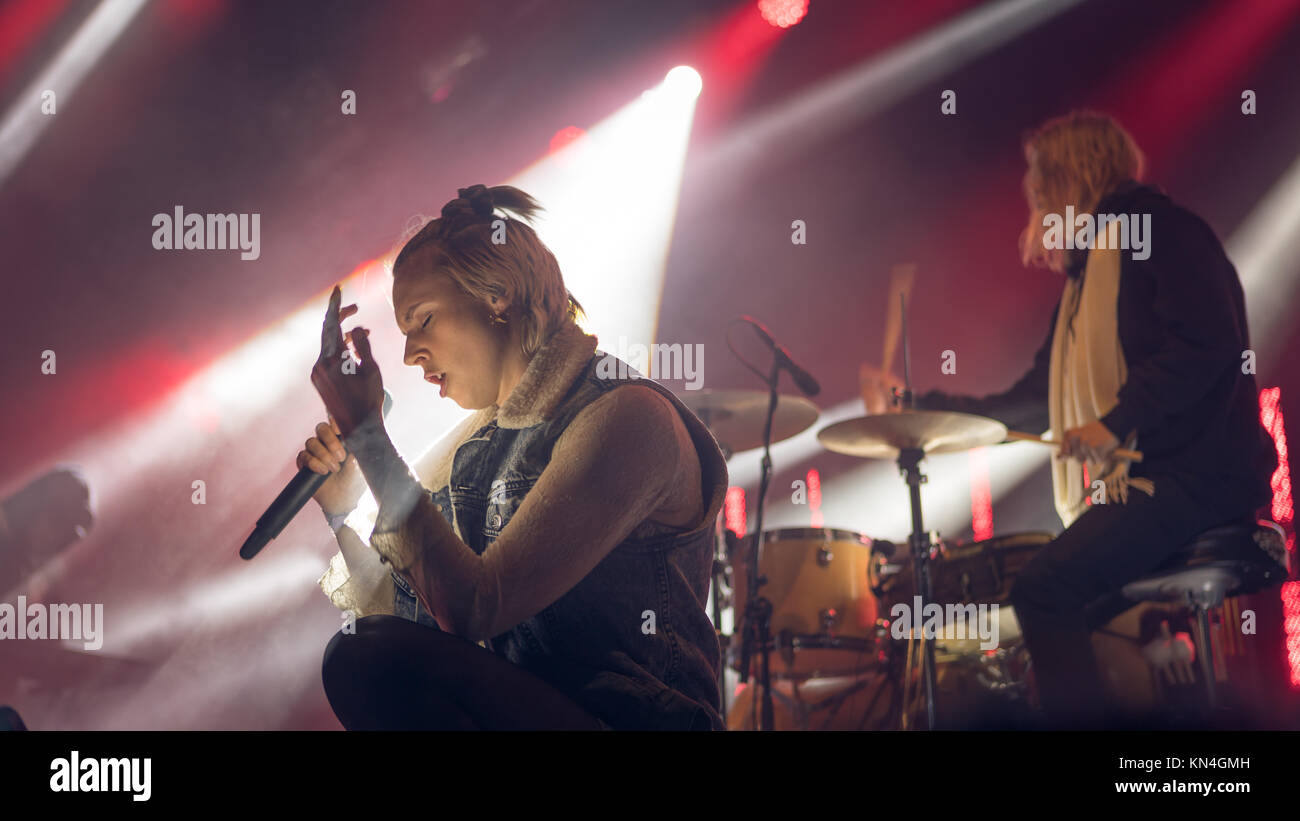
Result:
[{"x": 569, "y": 526}]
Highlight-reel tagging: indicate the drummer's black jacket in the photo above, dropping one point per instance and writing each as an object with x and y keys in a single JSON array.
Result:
[{"x": 1182, "y": 327}]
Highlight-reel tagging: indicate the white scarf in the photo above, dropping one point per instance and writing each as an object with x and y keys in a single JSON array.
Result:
[{"x": 1087, "y": 370}]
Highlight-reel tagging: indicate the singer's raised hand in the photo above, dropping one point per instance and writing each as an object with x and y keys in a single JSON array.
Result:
[{"x": 351, "y": 390}]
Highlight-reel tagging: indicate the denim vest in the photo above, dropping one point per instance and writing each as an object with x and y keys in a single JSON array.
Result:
[{"x": 632, "y": 643}]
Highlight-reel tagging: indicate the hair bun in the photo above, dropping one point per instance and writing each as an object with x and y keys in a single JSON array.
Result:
[{"x": 479, "y": 199}]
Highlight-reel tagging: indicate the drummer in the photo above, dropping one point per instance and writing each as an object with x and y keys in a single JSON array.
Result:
[{"x": 1141, "y": 352}]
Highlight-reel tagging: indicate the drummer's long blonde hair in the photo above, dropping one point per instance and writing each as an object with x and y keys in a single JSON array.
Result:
[{"x": 1074, "y": 160}]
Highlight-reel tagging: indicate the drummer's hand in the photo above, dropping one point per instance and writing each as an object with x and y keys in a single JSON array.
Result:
[
  {"x": 1172, "y": 655},
  {"x": 1092, "y": 442},
  {"x": 876, "y": 388}
]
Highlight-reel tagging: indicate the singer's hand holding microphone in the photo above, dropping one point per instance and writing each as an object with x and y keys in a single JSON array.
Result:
[
  {"x": 353, "y": 392},
  {"x": 350, "y": 396},
  {"x": 326, "y": 454},
  {"x": 348, "y": 393}
]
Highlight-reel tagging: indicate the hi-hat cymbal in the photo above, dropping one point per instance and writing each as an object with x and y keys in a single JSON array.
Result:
[
  {"x": 882, "y": 436},
  {"x": 736, "y": 417}
]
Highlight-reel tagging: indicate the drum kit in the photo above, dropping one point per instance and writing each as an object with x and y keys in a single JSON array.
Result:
[
  {"x": 838, "y": 630},
  {"x": 813, "y": 606},
  {"x": 822, "y": 632}
]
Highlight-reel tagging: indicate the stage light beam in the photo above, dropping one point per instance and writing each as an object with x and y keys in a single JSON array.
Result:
[{"x": 26, "y": 119}]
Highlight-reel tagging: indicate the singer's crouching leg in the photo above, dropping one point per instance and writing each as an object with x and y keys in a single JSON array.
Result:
[{"x": 395, "y": 674}]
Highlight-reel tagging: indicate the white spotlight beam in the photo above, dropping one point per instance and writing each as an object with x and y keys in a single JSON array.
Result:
[
  {"x": 872, "y": 499},
  {"x": 843, "y": 100},
  {"x": 1265, "y": 248},
  {"x": 244, "y": 593},
  {"x": 611, "y": 200},
  {"x": 25, "y": 121}
]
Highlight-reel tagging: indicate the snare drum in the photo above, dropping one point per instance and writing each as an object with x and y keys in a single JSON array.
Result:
[{"x": 823, "y": 612}]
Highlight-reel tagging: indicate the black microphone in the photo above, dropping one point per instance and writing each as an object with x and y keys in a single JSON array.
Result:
[
  {"x": 801, "y": 377},
  {"x": 295, "y": 495}
]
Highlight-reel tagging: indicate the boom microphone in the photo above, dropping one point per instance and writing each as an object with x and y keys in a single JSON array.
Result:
[{"x": 801, "y": 377}]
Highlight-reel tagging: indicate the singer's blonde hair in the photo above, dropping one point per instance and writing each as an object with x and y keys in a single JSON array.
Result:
[
  {"x": 1076, "y": 159},
  {"x": 522, "y": 268}
]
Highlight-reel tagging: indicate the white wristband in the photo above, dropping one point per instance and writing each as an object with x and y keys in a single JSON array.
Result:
[{"x": 337, "y": 520}]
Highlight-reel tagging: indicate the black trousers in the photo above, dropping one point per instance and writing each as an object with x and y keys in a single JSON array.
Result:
[
  {"x": 1073, "y": 585},
  {"x": 395, "y": 674}
]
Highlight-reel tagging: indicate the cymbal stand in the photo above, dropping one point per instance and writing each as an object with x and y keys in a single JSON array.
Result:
[{"x": 909, "y": 464}]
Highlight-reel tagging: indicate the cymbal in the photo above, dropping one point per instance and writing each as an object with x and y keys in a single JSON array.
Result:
[
  {"x": 882, "y": 436},
  {"x": 736, "y": 417}
]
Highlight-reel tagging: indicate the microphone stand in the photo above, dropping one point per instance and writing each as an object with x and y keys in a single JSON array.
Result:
[{"x": 758, "y": 609}]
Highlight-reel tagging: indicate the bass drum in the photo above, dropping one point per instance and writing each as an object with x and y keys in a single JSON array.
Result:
[
  {"x": 823, "y": 612},
  {"x": 982, "y": 691},
  {"x": 868, "y": 702}
]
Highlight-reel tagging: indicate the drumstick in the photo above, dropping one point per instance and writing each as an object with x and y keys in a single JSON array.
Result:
[
  {"x": 1131, "y": 455},
  {"x": 900, "y": 281}
]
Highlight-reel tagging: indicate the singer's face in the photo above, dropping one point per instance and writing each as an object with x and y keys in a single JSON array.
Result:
[{"x": 448, "y": 335}]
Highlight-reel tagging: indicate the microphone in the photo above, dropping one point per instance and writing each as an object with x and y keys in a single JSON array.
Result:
[
  {"x": 295, "y": 495},
  {"x": 801, "y": 377}
]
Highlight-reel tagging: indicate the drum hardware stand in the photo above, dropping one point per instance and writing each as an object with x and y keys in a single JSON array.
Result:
[
  {"x": 735, "y": 418},
  {"x": 909, "y": 460},
  {"x": 803, "y": 711},
  {"x": 723, "y": 544},
  {"x": 909, "y": 464},
  {"x": 720, "y": 578},
  {"x": 908, "y": 437},
  {"x": 724, "y": 642},
  {"x": 758, "y": 609}
]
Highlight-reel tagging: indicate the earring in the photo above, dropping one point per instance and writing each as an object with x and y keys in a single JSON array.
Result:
[{"x": 497, "y": 319}]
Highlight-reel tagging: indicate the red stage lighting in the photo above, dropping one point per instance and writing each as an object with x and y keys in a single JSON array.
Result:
[
  {"x": 981, "y": 495},
  {"x": 1270, "y": 413},
  {"x": 566, "y": 135},
  {"x": 783, "y": 13},
  {"x": 815, "y": 498},
  {"x": 734, "y": 511}
]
